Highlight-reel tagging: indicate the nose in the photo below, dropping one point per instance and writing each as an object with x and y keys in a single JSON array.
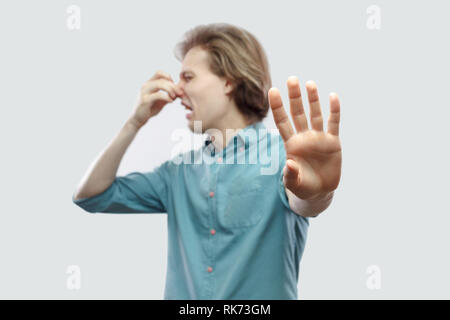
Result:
[{"x": 179, "y": 90}]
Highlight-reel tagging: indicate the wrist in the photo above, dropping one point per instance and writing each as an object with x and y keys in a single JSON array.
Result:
[
  {"x": 321, "y": 196},
  {"x": 133, "y": 125}
]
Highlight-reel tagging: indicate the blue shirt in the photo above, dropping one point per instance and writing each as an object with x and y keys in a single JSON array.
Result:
[{"x": 231, "y": 231}]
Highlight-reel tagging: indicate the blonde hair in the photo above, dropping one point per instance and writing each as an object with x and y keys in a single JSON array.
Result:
[{"x": 236, "y": 55}]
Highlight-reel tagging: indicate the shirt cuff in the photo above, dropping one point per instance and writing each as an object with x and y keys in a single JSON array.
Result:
[
  {"x": 95, "y": 203},
  {"x": 310, "y": 208}
]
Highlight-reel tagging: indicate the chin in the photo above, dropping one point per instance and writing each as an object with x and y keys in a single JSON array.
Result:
[
  {"x": 202, "y": 126},
  {"x": 191, "y": 126}
]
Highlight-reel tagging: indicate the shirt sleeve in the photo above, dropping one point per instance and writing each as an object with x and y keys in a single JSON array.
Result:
[
  {"x": 281, "y": 189},
  {"x": 135, "y": 192}
]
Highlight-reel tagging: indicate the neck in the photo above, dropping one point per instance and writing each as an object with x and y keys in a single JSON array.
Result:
[{"x": 221, "y": 139}]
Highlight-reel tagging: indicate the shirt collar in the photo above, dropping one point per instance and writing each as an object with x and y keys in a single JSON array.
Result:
[{"x": 245, "y": 134}]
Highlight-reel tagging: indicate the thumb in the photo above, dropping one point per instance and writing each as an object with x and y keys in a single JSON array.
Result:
[{"x": 291, "y": 173}]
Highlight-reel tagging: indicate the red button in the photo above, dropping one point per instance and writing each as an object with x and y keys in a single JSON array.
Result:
[
  {"x": 209, "y": 269},
  {"x": 211, "y": 194},
  {"x": 213, "y": 232},
  {"x": 219, "y": 160},
  {"x": 241, "y": 149}
]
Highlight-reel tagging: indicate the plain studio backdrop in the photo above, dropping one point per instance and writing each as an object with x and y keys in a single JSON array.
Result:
[{"x": 65, "y": 93}]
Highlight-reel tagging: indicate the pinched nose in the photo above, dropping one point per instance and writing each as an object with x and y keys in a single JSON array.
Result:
[{"x": 179, "y": 90}]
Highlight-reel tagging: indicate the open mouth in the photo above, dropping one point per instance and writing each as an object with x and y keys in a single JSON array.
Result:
[
  {"x": 187, "y": 107},
  {"x": 188, "y": 115}
]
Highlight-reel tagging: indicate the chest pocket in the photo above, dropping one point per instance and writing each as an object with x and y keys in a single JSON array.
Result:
[{"x": 243, "y": 206}]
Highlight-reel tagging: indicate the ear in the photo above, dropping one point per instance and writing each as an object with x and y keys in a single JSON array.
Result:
[{"x": 229, "y": 86}]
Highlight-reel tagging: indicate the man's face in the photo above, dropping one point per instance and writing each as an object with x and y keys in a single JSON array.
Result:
[{"x": 203, "y": 91}]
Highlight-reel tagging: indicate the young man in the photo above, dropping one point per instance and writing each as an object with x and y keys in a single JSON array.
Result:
[{"x": 237, "y": 228}]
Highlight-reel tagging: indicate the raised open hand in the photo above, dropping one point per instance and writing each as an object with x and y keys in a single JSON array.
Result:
[{"x": 313, "y": 157}]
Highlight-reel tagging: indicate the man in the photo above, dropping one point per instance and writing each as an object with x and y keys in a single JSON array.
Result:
[{"x": 236, "y": 231}]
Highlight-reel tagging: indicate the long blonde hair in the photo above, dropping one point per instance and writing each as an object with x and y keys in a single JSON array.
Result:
[{"x": 236, "y": 55}]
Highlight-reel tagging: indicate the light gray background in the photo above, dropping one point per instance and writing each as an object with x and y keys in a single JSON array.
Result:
[{"x": 65, "y": 94}]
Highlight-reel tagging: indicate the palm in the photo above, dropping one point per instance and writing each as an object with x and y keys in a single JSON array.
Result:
[{"x": 313, "y": 157}]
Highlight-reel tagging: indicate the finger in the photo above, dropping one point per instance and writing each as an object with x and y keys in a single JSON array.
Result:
[
  {"x": 158, "y": 96},
  {"x": 291, "y": 174},
  {"x": 164, "y": 84},
  {"x": 335, "y": 114},
  {"x": 295, "y": 98},
  {"x": 164, "y": 75},
  {"x": 279, "y": 114},
  {"x": 161, "y": 74},
  {"x": 314, "y": 105}
]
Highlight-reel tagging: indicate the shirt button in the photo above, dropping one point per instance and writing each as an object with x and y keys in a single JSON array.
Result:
[
  {"x": 213, "y": 232},
  {"x": 219, "y": 160},
  {"x": 211, "y": 194},
  {"x": 209, "y": 269}
]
